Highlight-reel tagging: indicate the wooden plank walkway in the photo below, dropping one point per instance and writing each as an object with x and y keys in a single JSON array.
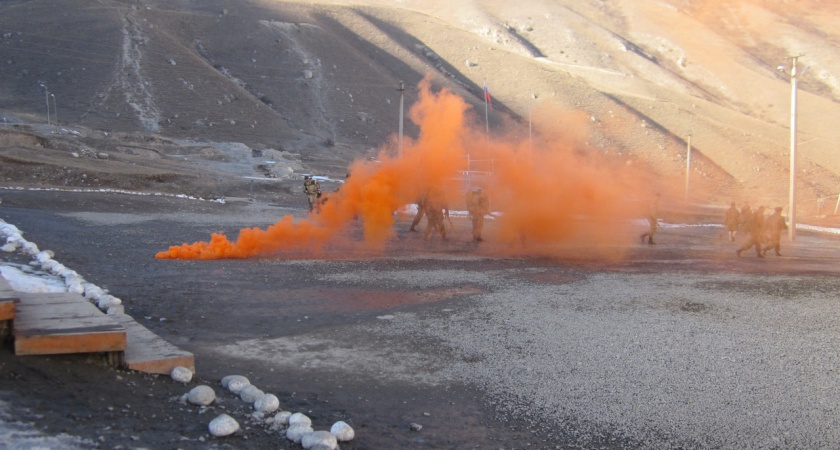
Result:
[
  {"x": 149, "y": 353},
  {"x": 58, "y": 323},
  {"x": 8, "y": 299}
]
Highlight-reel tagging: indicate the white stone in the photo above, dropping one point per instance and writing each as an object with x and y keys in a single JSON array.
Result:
[
  {"x": 107, "y": 301},
  {"x": 267, "y": 403},
  {"x": 201, "y": 395},
  {"x": 299, "y": 419},
  {"x": 342, "y": 431},
  {"x": 282, "y": 418},
  {"x": 115, "y": 310},
  {"x": 323, "y": 447},
  {"x": 295, "y": 432},
  {"x": 250, "y": 393},
  {"x": 226, "y": 380},
  {"x": 223, "y": 425},
  {"x": 314, "y": 438},
  {"x": 181, "y": 374},
  {"x": 236, "y": 383}
]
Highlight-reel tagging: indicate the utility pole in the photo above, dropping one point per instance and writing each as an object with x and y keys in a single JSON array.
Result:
[
  {"x": 794, "y": 76},
  {"x": 687, "y": 165},
  {"x": 47, "y": 99},
  {"x": 401, "y": 90},
  {"x": 55, "y": 109}
]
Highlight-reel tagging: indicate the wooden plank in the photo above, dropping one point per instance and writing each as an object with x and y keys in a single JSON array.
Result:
[
  {"x": 7, "y": 309},
  {"x": 148, "y": 352},
  {"x": 58, "y": 323},
  {"x": 8, "y": 299}
]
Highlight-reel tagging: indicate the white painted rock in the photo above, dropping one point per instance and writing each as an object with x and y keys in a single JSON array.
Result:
[
  {"x": 181, "y": 374},
  {"x": 323, "y": 447},
  {"x": 224, "y": 425},
  {"x": 282, "y": 418},
  {"x": 201, "y": 395},
  {"x": 250, "y": 393},
  {"x": 226, "y": 380},
  {"x": 300, "y": 419},
  {"x": 314, "y": 438},
  {"x": 342, "y": 431},
  {"x": 267, "y": 403},
  {"x": 106, "y": 301},
  {"x": 295, "y": 432},
  {"x": 236, "y": 383}
]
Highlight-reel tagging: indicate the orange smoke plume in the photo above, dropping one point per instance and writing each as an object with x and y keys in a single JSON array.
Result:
[{"x": 560, "y": 192}]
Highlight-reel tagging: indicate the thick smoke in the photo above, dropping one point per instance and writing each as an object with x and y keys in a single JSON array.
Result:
[{"x": 547, "y": 192}]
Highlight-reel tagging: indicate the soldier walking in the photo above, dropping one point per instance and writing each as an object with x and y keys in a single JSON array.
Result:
[
  {"x": 477, "y": 206},
  {"x": 436, "y": 210},
  {"x": 421, "y": 210},
  {"x": 746, "y": 218},
  {"x": 732, "y": 221},
  {"x": 775, "y": 224},
  {"x": 756, "y": 233},
  {"x": 312, "y": 190}
]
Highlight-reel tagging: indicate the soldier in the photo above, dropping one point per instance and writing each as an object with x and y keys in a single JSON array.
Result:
[
  {"x": 312, "y": 190},
  {"x": 653, "y": 211},
  {"x": 756, "y": 233},
  {"x": 477, "y": 206},
  {"x": 746, "y": 218},
  {"x": 775, "y": 224},
  {"x": 436, "y": 210},
  {"x": 421, "y": 210},
  {"x": 732, "y": 221}
]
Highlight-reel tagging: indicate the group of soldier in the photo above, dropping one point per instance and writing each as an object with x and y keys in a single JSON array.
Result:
[
  {"x": 436, "y": 211},
  {"x": 432, "y": 205},
  {"x": 764, "y": 232}
]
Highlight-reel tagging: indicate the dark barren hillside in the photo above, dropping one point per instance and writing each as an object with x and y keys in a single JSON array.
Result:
[{"x": 313, "y": 85}]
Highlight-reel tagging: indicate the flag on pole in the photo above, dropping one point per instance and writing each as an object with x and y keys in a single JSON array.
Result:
[{"x": 487, "y": 95}]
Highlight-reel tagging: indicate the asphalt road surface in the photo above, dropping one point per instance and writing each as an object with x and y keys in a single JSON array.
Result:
[{"x": 681, "y": 344}]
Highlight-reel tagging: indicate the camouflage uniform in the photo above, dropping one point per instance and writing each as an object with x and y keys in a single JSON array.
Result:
[
  {"x": 756, "y": 233},
  {"x": 312, "y": 190},
  {"x": 775, "y": 224},
  {"x": 421, "y": 210},
  {"x": 478, "y": 206},
  {"x": 435, "y": 211},
  {"x": 732, "y": 221}
]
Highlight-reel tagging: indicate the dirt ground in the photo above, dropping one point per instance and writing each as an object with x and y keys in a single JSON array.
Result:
[{"x": 202, "y": 306}]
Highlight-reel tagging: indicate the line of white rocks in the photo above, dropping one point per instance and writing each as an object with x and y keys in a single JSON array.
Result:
[{"x": 297, "y": 427}]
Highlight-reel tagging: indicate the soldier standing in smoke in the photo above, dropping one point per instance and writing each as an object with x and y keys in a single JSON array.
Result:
[
  {"x": 746, "y": 218},
  {"x": 774, "y": 225},
  {"x": 653, "y": 212},
  {"x": 421, "y": 210},
  {"x": 732, "y": 221},
  {"x": 756, "y": 233},
  {"x": 436, "y": 210},
  {"x": 312, "y": 190},
  {"x": 477, "y": 206}
]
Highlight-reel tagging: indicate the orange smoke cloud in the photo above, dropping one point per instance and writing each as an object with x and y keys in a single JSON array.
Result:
[{"x": 549, "y": 191}]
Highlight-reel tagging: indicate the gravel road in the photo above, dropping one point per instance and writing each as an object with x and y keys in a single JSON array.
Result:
[{"x": 676, "y": 345}]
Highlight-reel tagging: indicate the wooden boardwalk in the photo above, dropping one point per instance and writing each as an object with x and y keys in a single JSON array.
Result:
[
  {"x": 8, "y": 298},
  {"x": 54, "y": 323},
  {"x": 61, "y": 323}
]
